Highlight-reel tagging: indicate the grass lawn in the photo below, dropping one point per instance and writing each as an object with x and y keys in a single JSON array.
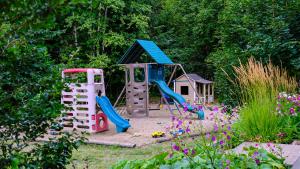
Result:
[{"x": 98, "y": 156}]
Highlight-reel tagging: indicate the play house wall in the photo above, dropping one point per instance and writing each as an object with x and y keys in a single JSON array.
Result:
[
  {"x": 183, "y": 87},
  {"x": 204, "y": 88},
  {"x": 84, "y": 114}
]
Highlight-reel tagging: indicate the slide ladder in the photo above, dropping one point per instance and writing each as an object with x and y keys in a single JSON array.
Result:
[
  {"x": 177, "y": 97},
  {"x": 121, "y": 124}
]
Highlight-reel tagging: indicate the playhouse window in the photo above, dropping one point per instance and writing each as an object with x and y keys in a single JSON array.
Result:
[
  {"x": 98, "y": 78},
  {"x": 139, "y": 74},
  {"x": 184, "y": 90}
]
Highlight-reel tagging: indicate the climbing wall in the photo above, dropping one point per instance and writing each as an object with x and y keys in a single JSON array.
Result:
[{"x": 137, "y": 90}]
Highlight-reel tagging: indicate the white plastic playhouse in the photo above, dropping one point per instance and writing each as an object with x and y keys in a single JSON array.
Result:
[{"x": 82, "y": 113}]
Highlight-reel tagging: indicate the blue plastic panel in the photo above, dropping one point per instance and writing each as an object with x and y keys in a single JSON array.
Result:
[
  {"x": 155, "y": 52},
  {"x": 142, "y": 46}
]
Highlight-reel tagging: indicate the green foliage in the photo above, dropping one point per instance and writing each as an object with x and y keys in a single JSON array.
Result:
[
  {"x": 30, "y": 102},
  {"x": 251, "y": 158},
  {"x": 208, "y": 36},
  {"x": 37, "y": 38},
  {"x": 262, "y": 29}
]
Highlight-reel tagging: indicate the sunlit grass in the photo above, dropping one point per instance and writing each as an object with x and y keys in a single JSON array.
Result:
[{"x": 98, "y": 156}]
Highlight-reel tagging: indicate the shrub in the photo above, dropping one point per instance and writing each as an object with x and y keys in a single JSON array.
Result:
[
  {"x": 259, "y": 87},
  {"x": 30, "y": 103}
]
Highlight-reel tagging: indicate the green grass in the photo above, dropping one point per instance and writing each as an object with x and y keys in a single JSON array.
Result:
[{"x": 98, "y": 156}]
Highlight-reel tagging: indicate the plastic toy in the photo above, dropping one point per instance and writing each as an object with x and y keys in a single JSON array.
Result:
[
  {"x": 157, "y": 134},
  {"x": 83, "y": 86},
  {"x": 86, "y": 88}
]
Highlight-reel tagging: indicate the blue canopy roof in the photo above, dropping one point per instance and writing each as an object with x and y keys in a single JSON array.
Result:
[{"x": 141, "y": 46}]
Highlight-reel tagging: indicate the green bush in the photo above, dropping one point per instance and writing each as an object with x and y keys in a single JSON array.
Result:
[{"x": 30, "y": 92}]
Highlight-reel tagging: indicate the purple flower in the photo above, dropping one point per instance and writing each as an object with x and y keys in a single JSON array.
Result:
[
  {"x": 225, "y": 133},
  {"x": 229, "y": 128},
  {"x": 227, "y": 162},
  {"x": 221, "y": 142},
  {"x": 179, "y": 122},
  {"x": 254, "y": 155},
  {"x": 213, "y": 138},
  {"x": 187, "y": 130},
  {"x": 257, "y": 161},
  {"x": 185, "y": 108},
  {"x": 175, "y": 147},
  {"x": 228, "y": 137},
  {"x": 185, "y": 151},
  {"x": 193, "y": 152}
]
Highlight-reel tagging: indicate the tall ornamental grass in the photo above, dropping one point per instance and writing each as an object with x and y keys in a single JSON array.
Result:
[{"x": 260, "y": 84}]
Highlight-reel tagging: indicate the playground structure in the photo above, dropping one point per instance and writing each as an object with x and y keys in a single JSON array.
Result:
[
  {"x": 140, "y": 76},
  {"x": 204, "y": 87},
  {"x": 85, "y": 89},
  {"x": 90, "y": 109}
]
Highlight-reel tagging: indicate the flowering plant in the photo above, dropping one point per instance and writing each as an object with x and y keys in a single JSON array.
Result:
[
  {"x": 288, "y": 108},
  {"x": 210, "y": 150}
]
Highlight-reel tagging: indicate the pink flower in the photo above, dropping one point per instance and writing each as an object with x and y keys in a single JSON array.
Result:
[
  {"x": 200, "y": 107},
  {"x": 227, "y": 162},
  {"x": 175, "y": 147},
  {"x": 215, "y": 128},
  {"x": 207, "y": 135},
  {"x": 215, "y": 109},
  {"x": 292, "y": 111}
]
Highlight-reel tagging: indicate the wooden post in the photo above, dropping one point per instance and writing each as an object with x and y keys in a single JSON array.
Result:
[
  {"x": 212, "y": 92},
  {"x": 123, "y": 90},
  {"x": 173, "y": 73},
  {"x": 174, "y": 86},
  {"x": 204, "y": 93},
  {"x": 194, "y": 99},
  {"x": 208, "y": 92}
]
